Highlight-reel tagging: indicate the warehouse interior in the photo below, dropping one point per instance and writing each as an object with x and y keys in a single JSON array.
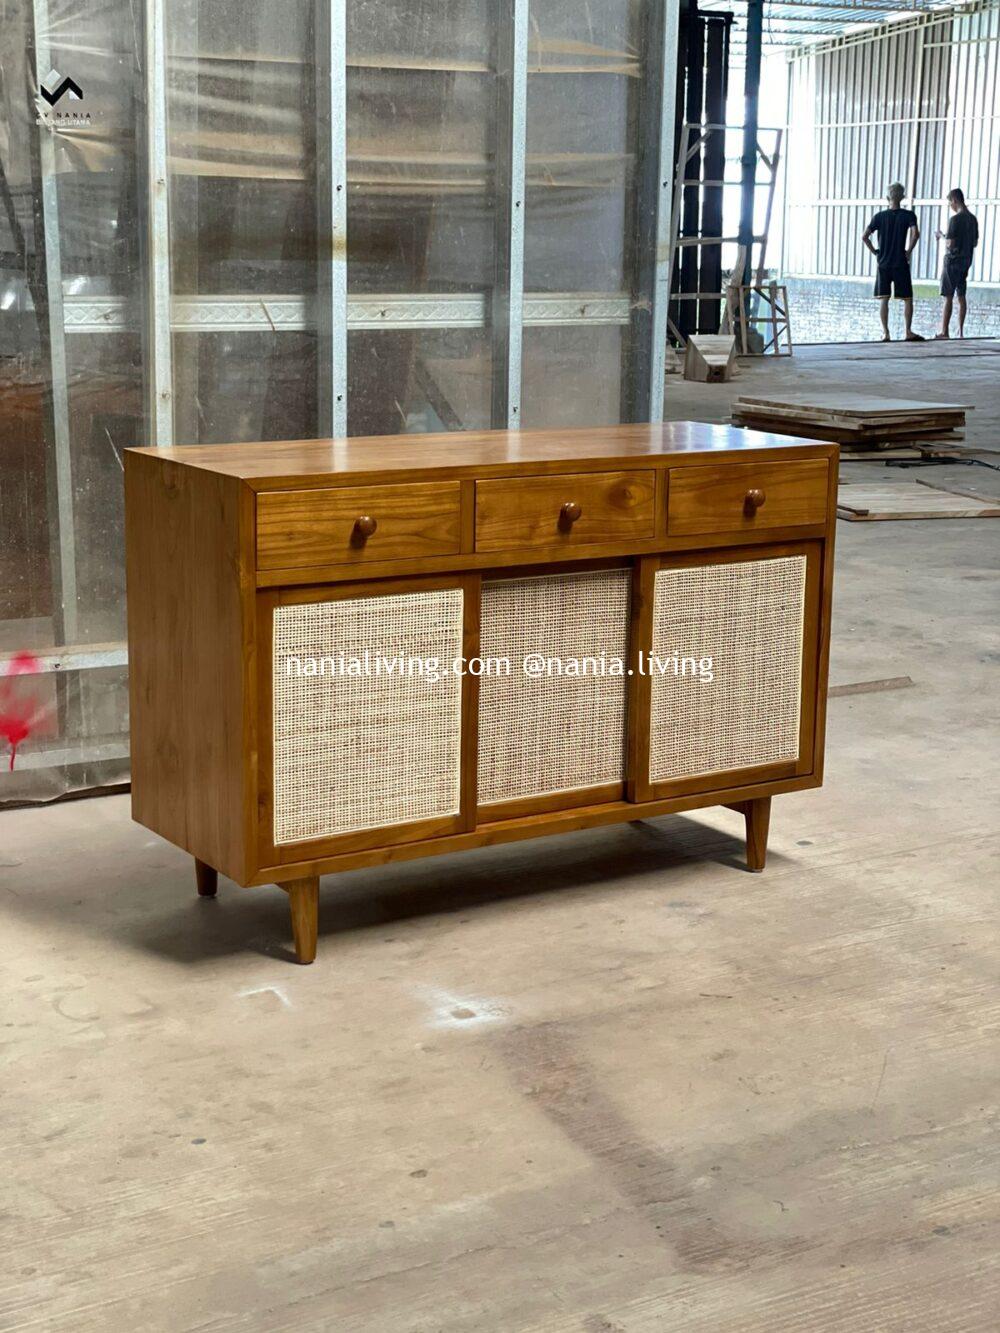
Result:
[{"x": 606, "y": 1083}]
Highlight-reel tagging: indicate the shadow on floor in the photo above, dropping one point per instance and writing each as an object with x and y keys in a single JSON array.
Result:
[{"x": 155, "y": 908}]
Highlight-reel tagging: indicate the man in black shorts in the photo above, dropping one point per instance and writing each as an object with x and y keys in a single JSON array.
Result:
[
  {"x": 960, "y": 240},
  {"x": 898, "y": 234}
]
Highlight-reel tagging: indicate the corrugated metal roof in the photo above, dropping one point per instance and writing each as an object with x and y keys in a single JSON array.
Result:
[{"x": 800, "y": 22}]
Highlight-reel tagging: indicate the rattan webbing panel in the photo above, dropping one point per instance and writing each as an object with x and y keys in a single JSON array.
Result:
[
  {"x": 748, "y": 618},
  {"x": 559, "y": 732},
  {"x": 365, "y": 751}
]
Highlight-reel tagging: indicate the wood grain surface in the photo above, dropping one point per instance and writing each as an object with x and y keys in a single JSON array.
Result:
[
  {"x": 536, "y": 511},
  {"x": 715, "y": 498},
  {"x": 300, "y": 528}
]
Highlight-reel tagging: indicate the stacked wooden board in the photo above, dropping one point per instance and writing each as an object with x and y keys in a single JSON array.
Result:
[{"x": 861, "y": 421}]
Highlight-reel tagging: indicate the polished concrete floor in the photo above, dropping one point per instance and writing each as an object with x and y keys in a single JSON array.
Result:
[{"x": 610, "y": 1083}]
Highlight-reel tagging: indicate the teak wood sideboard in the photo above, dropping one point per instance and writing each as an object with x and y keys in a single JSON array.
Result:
[{"x": 686, "y": 543}]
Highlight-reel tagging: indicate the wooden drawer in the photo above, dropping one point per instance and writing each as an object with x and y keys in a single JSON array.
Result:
[
  {"x": 575, "y": 509},
  {"x": 737, "y": 497},
  {"x": 328, "y": 527}
]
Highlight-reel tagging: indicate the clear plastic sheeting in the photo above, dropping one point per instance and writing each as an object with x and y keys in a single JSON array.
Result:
[
  {"x": 421, "y": 208},
  {"x": 572, "y": 377},
  {"x": 418, "y": 381},
  {"x": 584, "y": 82},
  {"x": 70, "y": 398},
  {"x": 584, "y": 76},
  {"x": 421, "y": 146},
  {"x": 241, "y": 163},
  {"x": 176, "y": 178}
]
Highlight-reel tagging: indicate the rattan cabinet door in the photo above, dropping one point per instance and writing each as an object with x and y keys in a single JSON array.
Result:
[
  {"x": 553, "y": 737},
  {"x": 362, "y": 715},
  {"x": 729, "y": 669}
]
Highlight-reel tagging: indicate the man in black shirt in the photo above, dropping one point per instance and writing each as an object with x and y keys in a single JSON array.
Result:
[
  {"x": 898, "y": 234},
  {"x": 960, "y": 240}
]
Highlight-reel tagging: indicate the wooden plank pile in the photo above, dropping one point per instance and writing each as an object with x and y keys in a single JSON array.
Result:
[{"x": 852, "y": 420}]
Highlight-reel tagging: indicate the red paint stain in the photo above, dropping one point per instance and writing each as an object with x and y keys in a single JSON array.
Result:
[{"x": 20, "y": 710}]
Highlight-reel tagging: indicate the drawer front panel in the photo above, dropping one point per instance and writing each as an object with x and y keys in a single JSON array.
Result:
[
  {"x": 355, "y": 525},
  {"x": 738, "y": 497},
  {"x": 365, "y": 749},
  {"x": 577, "y": 509},
  {"x": 748, "y": 618},
  {"x": 558, "y": 732}
]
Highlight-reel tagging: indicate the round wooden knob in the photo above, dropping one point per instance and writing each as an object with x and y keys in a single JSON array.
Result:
[
  {"x": 570, "y": 512},
  {"x": 364, "y": 527},
  {"x": 754, "y": 499}
]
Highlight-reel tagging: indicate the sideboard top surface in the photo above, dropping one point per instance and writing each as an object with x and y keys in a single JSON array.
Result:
[{"x": 279, "y": 463}]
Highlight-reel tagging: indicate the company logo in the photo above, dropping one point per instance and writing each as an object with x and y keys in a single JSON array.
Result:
[{"x": 54, "y": 86}]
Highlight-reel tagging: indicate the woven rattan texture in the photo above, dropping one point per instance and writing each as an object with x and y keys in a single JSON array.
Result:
[
  {"x": 748, "y": 618},
  {"x": 559, "y": 732},
  {"x": 365, "y": 751}
]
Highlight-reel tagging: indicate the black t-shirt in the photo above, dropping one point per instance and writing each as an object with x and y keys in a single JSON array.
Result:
[
  {"x": 962, "y": 237},
  {"x": 891, "y": 226}
]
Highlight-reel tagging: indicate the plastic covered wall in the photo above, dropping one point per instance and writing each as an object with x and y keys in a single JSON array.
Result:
[
  {"x": 228, "y": 220},
  {"x": 71, "y": 398}
]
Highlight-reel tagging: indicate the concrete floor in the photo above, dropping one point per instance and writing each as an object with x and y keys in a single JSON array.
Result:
[{"x": 598, "y": 1084}]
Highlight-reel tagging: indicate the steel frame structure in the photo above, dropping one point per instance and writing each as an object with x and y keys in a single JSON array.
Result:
[
  {"x": 787, "y": 22},
  {"x": 53, "y": 323},
  {"x": 507, "y": 309}
]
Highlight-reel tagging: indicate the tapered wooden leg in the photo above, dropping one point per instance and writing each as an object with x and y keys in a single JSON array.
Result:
[
  {"x": 207, "y": 879},
  {"x": 758, "y": 817},
  {"x": 303, "y": 897}
]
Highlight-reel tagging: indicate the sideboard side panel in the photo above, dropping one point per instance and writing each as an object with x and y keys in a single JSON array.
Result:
[
  {"x": 825, "y": 619},
  {"x": 190, "y": 658}
]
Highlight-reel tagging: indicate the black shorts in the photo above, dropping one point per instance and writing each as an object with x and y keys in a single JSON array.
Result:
[
  {"x": 894, "y": 282},
  {"x": 954, "y": 277}
]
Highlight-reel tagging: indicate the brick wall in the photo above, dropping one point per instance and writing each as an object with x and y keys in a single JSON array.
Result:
[{"x": 827, "y": 310}]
